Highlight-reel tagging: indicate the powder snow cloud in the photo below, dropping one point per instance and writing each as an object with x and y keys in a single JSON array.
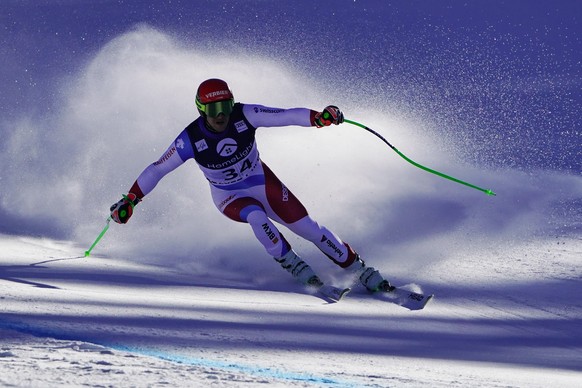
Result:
[{"x": 61, "y": 172}]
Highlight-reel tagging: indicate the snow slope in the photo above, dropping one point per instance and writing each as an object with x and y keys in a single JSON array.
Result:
[
  {"x": 100, "y": 321},
  {"x": 184, "y": 297}
]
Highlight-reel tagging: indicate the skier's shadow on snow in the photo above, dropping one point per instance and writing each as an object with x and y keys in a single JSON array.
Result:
[
  {"x": 53, "y": 260},
  {"x": 14, "y": 273},
  {"x": 40, "y": 275}
]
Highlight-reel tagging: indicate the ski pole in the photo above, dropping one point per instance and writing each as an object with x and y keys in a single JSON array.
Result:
[
  {"x": 486, "y": 191},
  {"x": 88, "y": 252}
]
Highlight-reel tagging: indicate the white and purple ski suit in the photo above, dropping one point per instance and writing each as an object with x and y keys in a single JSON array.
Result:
[{"x": 242, "y": 185}]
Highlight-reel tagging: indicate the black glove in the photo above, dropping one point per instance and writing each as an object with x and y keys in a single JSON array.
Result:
[
  {"x": 122, "y": 211},
  {"x": 330, "y": 115}
]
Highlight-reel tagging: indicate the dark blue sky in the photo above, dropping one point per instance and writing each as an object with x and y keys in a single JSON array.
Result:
[{"x": 486, "y": 72}]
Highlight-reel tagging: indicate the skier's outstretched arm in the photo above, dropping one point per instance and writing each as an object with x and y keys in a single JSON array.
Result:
[
  {"x": 262, "y": 116},
  {"x": 122, "y": 211}
]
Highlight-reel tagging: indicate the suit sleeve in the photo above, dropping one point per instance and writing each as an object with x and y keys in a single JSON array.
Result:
[
  {"x": 262, "y": 116},
  {"x": 176, "y": 154}
]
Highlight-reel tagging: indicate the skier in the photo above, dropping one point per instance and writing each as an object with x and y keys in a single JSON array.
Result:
[{"x": 243, "y": 188}]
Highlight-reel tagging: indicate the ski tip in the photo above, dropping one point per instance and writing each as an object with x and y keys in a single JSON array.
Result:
[
  {"x": 336, "y": 297},
  {"x": 428, "y": 299},
  {"x": 333, "y": 294},
  {"x": 419, "y": 301},
  {"x": 420, "y": 304},
  {"x": 408, "y": 299},
  {"x": 344, "y": 293}
]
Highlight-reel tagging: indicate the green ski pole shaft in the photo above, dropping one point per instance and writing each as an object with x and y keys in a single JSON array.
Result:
[
  {"x": 486, "y": 191},
  {"x": 88, "y": 252}
]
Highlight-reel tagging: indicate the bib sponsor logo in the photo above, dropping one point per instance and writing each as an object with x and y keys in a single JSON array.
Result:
[
  {"x": 240, "y": 126},
  {"x": 234, "y": 159},
  {"x": 201, "y": 145},
  {"x": 226, "y": 147}
]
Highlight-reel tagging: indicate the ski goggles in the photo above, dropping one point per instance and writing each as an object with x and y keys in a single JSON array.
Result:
[{"x": 213, "y": 109}]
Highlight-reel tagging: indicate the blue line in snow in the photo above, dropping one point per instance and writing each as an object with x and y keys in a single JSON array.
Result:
[
  {"x": 256, "y": 371},
  {"x": 248, "y": 369}
]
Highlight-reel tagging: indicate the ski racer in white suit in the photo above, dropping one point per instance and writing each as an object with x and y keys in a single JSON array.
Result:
[{"x": 222, "y": 142}]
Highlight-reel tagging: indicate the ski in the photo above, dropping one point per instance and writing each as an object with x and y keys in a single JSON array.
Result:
[
  {"x": 334, "y": 294},
  {"x": 405, "y": 298},
  {"x": 387, "y": 292}
]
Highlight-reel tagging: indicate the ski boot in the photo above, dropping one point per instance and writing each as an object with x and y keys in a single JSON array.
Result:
[
  {"x": 370, "y": 277},
  {"x": 299, "y": 269}
]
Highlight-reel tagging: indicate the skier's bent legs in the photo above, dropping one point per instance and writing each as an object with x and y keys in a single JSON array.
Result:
[
  {"x": 324, "y": 239},
  {"x": 259, "y": 205},
  {"x": 252, "y": 211}
]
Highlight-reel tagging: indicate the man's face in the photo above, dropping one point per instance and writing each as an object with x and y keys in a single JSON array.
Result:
[{"x": 219, "y": 122}]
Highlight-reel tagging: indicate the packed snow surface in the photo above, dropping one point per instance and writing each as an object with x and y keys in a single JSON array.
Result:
[{"x": 66, "y": 320}]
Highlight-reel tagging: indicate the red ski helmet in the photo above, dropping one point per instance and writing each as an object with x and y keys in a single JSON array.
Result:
[{"x": 214, "y": 97}]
